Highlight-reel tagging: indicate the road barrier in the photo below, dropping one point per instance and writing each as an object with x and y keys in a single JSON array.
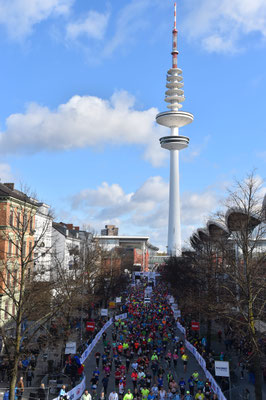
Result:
[
  {"x": 78, "y": 390},
  {"x": 214, "y": 385}
]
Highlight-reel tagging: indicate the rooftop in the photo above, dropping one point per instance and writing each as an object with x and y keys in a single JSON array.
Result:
[{"x": 8, "y": 190}]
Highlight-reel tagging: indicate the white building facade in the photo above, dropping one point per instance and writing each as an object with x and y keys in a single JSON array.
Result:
[
  {"x": 67, "y": 242},
  {"x": 43, "y": 242}
]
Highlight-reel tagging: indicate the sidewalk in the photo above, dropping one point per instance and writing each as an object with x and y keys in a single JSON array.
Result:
[
  {"x": 47, "y": 355},
  {"x": 238, "y": 385}
]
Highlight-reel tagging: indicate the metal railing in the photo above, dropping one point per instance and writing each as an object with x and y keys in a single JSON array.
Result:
[
  {"x": 29, "y": 393},
  {"x": 238, "y": 393}
]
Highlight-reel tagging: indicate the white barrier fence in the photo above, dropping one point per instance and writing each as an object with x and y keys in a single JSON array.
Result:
[
  {"x": 91, "y": 346},
  {"x": 77, "y": 391},
  {"x": 121, "y": 316},
  {"x": 87, "y": 352},
  {"x": 181, "y": 328},
  {"x": 214, "y": 385}
]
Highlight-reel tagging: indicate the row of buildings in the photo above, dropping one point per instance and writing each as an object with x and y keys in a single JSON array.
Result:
[{"x": 31, "y": 242}]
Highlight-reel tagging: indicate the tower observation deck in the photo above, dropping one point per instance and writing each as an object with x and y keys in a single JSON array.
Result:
[{"x": 174, "y": 119}]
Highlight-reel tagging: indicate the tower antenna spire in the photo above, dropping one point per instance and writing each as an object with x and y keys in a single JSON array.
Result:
[
  {"x": 175, "y": 17},
  {"x": 174, "y": 46}
]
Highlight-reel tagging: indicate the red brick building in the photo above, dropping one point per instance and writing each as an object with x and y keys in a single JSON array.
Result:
[
  {"x": 135, "y": 250},
  {"x": 17, "y": 226}
]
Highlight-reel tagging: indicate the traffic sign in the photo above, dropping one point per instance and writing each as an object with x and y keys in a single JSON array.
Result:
[
  {"x": 195, "y": 326},
  {"x": 90, "y": 326}
]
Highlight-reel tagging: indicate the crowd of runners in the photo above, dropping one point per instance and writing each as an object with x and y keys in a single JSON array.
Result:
[{"x": 142, "y": 354}]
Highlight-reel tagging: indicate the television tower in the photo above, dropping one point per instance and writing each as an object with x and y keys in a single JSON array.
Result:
[{"x": 174, "y": 119}]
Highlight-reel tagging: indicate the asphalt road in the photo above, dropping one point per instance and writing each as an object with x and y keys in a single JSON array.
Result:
[{"x": 178, "y": 373}]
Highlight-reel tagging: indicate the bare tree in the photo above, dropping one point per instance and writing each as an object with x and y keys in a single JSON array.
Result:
[
  {"x": 228, "y": 265},
  {"x": 27, "y": 298},
  {"x": 244, "y": 260}
]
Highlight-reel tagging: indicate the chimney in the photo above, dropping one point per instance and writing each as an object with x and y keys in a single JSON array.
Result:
[
  {"x": 76, "y": 228},
  {"x": 110, "y": 230},
  {"x": 69, "y": 226},
  {"x": 10, "y": 185}
]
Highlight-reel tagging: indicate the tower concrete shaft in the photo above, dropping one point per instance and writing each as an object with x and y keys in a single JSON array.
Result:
[
  {"x": 174, "y": 224},
  {"x": 174, "y": 119}
]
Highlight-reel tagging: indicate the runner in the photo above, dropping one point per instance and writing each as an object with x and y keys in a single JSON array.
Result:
[
  {"x": 185, "y": 360},
  {"x": 145, "y": 348}
]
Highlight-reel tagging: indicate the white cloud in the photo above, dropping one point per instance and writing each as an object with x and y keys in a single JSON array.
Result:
[
  {"x": 220, "y": 24},
  {"x": 5, "y": 173},
  {"x": 84, "y": 122},
  {"x": 219, "y": 44},
  {"x": 135, "y": 18},
  {"x": 125, "y": 29},
  {"x": 110, "y": 201},
  {"x": 262, "y": 155},
  {"x": 144, "y": 211},
  {"x": 105, "y": 195},
  {"x": 92, "y": 26},
  {"x": 194, "y": 151},
  {"x": 197, "y": 206},
  {"x": 20, "y": 16},
  {"x": 259, "y": 188},
  {"x": 129, "y": 22}
]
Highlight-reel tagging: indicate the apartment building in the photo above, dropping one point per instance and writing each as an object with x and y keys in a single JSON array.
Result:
[{"x": 17, "y": 227}]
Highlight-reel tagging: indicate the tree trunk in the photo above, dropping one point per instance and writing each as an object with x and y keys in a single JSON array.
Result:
[
  {"x": 13, "y": 380},
  {"x": 14, "y": 371}
]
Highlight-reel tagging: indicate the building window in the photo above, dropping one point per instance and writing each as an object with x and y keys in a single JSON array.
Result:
[
  {"x": 25, "y": 221},
  {"x": 30, "y": 251},
  {"x": 6, "y": 309},
  {"x": 11, "y": 218},
  {"x": 15, "y": 277},
  {"x": 10, "y": 247},
  {"x": 17, "y": 247},
  {"x": 24, "y": 249},
  {"x": 71, "y": 265},
  {"x": 18, "y": 219},
  {"x": 31, "y": 224},
  {"x": 8, "y": 279}
]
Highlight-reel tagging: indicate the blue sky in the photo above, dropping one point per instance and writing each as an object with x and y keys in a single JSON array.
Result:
[{"x": 81, "y": 82}]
